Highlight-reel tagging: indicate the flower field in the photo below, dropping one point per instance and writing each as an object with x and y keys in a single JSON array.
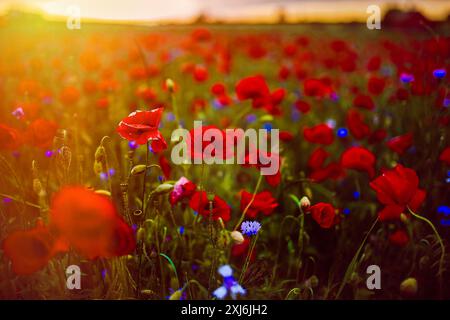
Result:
[{"x": 88, "y": 178}]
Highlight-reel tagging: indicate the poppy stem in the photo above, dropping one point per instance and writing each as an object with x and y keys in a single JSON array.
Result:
[
  {"x": 441, "y": 243},
  {"x": 352, "y": 264},
  {"x": 175, "y": 107},
  {"x": 249, "y": 255},
  {"x": 301, "y": 219},
  {"x": 145, "y": 178},
  {"x": 250, "y": 203}
]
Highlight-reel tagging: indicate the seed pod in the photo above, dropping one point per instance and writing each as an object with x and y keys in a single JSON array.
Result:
[
  {"x": 98, "y": 167},
  {"x": 103, "y": 192},
  {"x": 163, "y": 189},
  {"x": 138, "y": 169},
  {"x": 409, "y": 287},
  {"x": 37, "y": 186},
  {"x": 65, "y": 157},
  {"x": 100, "y": 154}
]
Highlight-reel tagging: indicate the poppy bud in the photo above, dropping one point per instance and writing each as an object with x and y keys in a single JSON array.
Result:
[
  {"x": 176, "y": 295},
  {"x": 408, "y": 287},
  {"x": 305, "y": 203},
  {"x": 140, "y": 234},
  {"x": 147, "y": 292},
  {"x": 266, "y": 118},
  {"x": 170, "y": 85},
  {"x": 100, "y": 154},
  {"x": 138, "y": 169},
  {"x": 237, "y": 237},
  {"x": 103, "y": 192},
  {"x": 163, "y": 189}
]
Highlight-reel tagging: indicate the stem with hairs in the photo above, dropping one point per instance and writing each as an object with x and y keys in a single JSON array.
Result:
[
  {"x": 248, "y": 258},
  {"x": 352, "y": 264},
  {"x": 441, "y": 243},
  {"x": 250, "y": 203}
]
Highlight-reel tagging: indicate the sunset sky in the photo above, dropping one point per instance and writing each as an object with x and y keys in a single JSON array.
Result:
[{"x": 262, "y": 10}]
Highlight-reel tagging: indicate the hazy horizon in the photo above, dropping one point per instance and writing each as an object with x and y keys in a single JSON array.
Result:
[{"x": 249, "y": 10}]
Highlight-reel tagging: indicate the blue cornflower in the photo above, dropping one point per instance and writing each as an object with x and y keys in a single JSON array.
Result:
[
  {"x": 133, "y": 145},
  {"x": 250, "y": 228},
  {"x": 267, "y": 126},
  {"x": 342, "y": 132},
  {"x": 251, "y": 118},
  {"x": 406, "y": 77},
  {"x": 230, "y": 285},
  {"x": 439, "y": 73}
]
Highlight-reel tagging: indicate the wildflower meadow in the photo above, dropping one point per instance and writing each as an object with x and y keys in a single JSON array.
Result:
[{"x": 215, "y": 161}]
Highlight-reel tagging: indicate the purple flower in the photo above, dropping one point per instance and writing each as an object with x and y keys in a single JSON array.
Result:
[
  {"x": 230, "y": 285},
  {"x": 250, "y": 228}
]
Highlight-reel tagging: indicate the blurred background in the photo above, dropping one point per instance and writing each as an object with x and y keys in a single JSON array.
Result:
[{"x": 230, "y": 11}]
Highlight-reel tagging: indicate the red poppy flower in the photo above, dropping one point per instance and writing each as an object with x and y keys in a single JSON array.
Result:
[
  {"x": 401, "y": 143},
  {"x": 445, "y": 156},
  {"x": 196, "y": 151},
  {"x": 364, "y": 102},
  {"x": 302, "y": 106},
  {"x": 359, "y": 158},
  {"x": 376, "y": 85},
  {"x": 200, "y": 74},
  {"x": 286, "y": 136},
  {"x": 374, "y": 63},
  {"x": 165, "y": 166},
  {"x": 377, "y": 136},
  {"x": 355, "y": 123},
  {"x": 252, "y": 87},
  {"x": 142, "y": 126},
  {"x": 10, "y": 138},
  {"x": 317, "y": 158},
  {"x": 316, "y": 88},
  {"x": 90, "y": 224},
  {"x": 283, "y": 73},
  {"x": 40, "y": 133},
  {"x": 183, "y": 189},
  {"x": 220, "y": 209},
  {"x": 69, "y": 95},
  {"x": 218, "y": 89},
  {"x": 396, "y": 189},
  {"x": 321, "y": 134},
  {"x": 274, "y": 179},
  {"x": 30, "y": 250},
  {"x": 399, "y": 238},
  {"x": 256, "y": 89},
  {"x": 263, "y": 203},
  {"x": 324, "y": 214},
  {"x": 332, "y": 170}
]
